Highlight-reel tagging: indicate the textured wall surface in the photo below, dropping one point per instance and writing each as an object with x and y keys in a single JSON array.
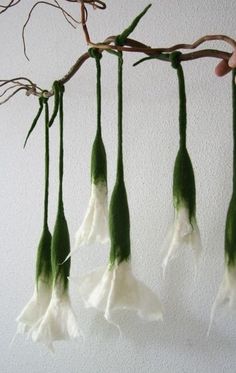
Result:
[{"x": 179, "y": 343}]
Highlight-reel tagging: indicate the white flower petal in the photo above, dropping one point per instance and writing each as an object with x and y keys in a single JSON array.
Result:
[
  {"x": 94, "y": 228},
  {"x": 116, "y": 288},
  {"x": 182, "y": 234},
  {"x": 35, "y": 308},
  {"x": 59, "y": 321},
  {"x": 226, "y": 294}
]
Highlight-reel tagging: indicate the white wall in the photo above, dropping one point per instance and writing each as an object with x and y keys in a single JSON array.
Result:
[{"x": 179, "y": 344}]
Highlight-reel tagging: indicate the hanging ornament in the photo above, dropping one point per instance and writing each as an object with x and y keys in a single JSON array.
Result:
[
  {"x": 184, "y": 232},
  {"x": 115, "y": 287},
  {"x": 227, "y": 291},
  {"x": 94, "y": 228},
  {"x": 37, "y": 306},
  {"x": 59, "y": 321}
]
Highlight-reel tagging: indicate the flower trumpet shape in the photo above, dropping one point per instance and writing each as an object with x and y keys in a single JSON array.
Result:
[
  {"x": 116, "y": 288},
  {"x": 227, "y": 291},
  {"x": 59, "y": 321},
  {"x": 183, "y": 233},
  {"x": 34, "y": 310},
  {"x": 94, "y": 228}
]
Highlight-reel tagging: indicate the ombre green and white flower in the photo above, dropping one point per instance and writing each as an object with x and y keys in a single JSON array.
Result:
[
  {"x": 116, "y": 288},
  {"x": 94, "y": 228},
  {"x": 226, "y": 294},
  {"x": 183, "y": 233},
  {"x": 59, "y": 322},
  {"x": 227, "y": 291},
  {"x": 37, "y": 305},
  {"x": 34, "y": 310}
]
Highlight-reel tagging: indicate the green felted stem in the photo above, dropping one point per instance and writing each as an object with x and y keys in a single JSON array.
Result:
[
  {"x": 119, "y": 223},
  {"x": 120, "y": 39},
  {"x": 184, "y": 192},
  {"x": 175, "y": 61},
  {"x": 35, "y": 121},
  {"x": 60, "y": 247},
  {"x": 230, "y": 228},
  {"x": 43, "y": 263},
  {"x": 120, "y": 167},
  {"x": 234, "y": 128},
  {"x": 98, "y": 161},
  {"x": 56, "y": 90},
  {"x": 98, "y": 158}
]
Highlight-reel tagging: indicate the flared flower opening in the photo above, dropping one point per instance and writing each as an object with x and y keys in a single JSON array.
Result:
[
  {"x": 115, "y": 288},
  {"x": 59, "y": 321},
  {"x": 94, "y": 228},
  {"x": 183, "y": 234},
  {"x": 226, "y": 296},
  {"x": 34, "y": 310}
]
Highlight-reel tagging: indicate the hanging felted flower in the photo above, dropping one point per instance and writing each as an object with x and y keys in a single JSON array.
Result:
[
  {"x": 184, "y": 231},
  {"x": 59, "y": 322},
  {"x": 227, "y": 291},
  {"x": 36, "y": 307},
  {"x": 94, "y": 228},
  {"x": 115, "y": 287}
]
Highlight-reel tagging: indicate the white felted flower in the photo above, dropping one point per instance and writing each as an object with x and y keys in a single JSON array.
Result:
[
  {"x": 226, "y": 294},
  {"x": 59, "y": 321},
  {"x": 182, "y": 234},
  {"x": 116, "y": 288},
  {"x": 94, "y": 228},
  {"x": 35, "y": 308}
]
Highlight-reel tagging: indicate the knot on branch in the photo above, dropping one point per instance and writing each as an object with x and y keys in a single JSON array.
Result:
[
  {"x": 95, "y": 53},
  {"x": 175, "y": 59}
]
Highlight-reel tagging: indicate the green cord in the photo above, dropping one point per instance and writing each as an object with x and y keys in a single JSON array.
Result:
[
  {"x": 46, "y": 190},
  {"x": 98, "y": 158},
  {"x": 230, "y": 227},
  {"x": 175, "y": 62},
  {"x": 35, "y": 121},
  {"x": 60, "y": 247},
  {"x": 120, "y": 168},
  {"x": 234, "y": 128},
  {"x": 61, "y": 149},
  {"x": 119, "y": 221},
  {"x": 43, "y": 262},
  {"x": 120, "y": 39},
  {"x": 184, "y": 191},
  {"x": 56, "y": 90}
]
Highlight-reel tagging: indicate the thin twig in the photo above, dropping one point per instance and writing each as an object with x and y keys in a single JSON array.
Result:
[
  {"x": 64, "y": 12},
  {"x": 10, "y": 5},
  {"x": 13, "y": 94}
]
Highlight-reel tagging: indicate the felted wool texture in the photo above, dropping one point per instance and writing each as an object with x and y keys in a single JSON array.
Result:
[
  {"x": 116, "y": 288},
  {"x": 94, "y": 227},
  {"x": 60, "y": 248},
  {"x": 98, "y": 161},
  {"x": 184, "y": 191},
  {"x": 34, "y": 310},
  {"x": 230, "y": 234},
  {"x": 230, "y": 228},
  {"x": 59, "y": 321},
  {"x": 43, "y": 263},
  {"x": 183, "y": 234},
  {"x": 119, "y": 224}
]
